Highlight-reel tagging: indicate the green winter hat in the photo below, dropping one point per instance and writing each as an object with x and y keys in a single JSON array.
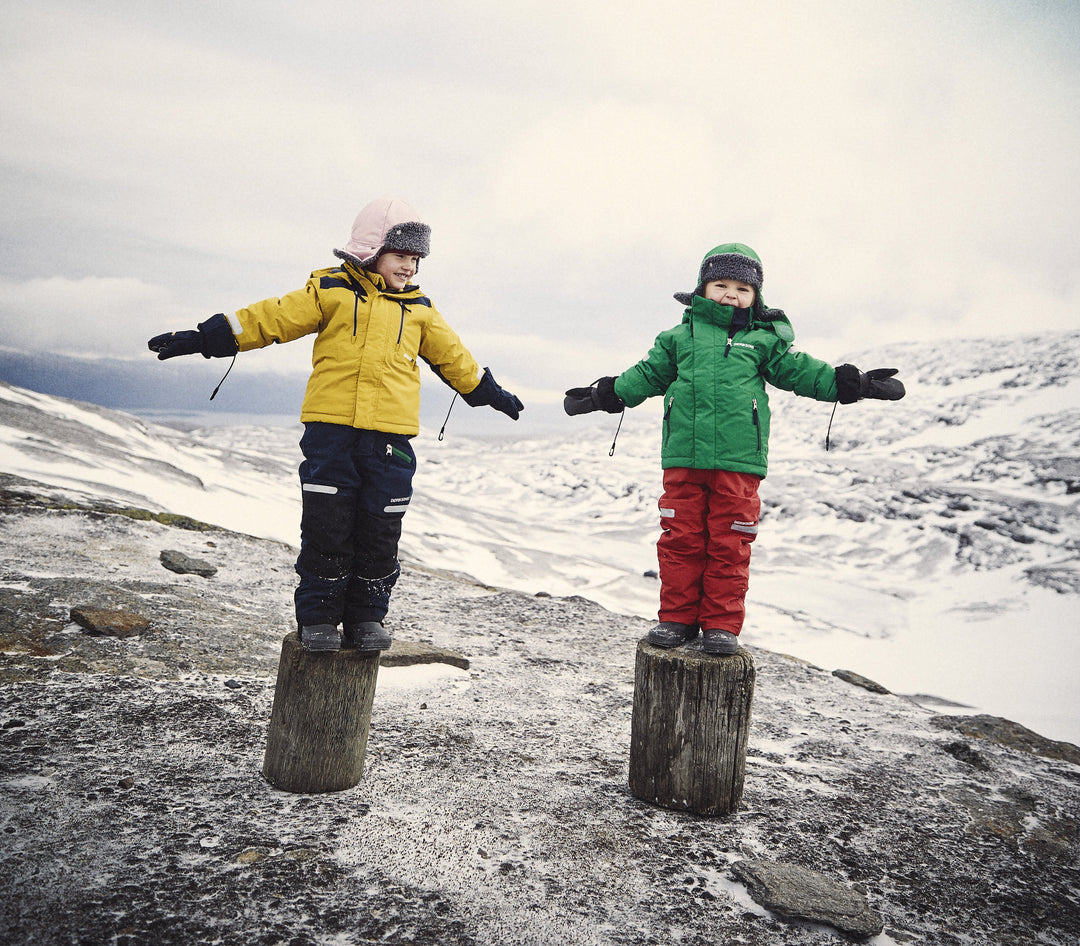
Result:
[{"x": 728, "y": 261}]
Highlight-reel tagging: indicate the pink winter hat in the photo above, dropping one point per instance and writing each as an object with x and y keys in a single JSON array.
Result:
[{"x": 386, "y": 224}]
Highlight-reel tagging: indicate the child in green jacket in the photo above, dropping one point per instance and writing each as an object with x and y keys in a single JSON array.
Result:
[{"x": 711, "y": 370}]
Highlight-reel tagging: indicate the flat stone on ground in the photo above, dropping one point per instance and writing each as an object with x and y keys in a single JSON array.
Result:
[
  {"x": 183, "y": 564},
  {"x": 409, "y": 653},
  {"x": 802, "y": 894},
  {"x": 109, "y": 623}
]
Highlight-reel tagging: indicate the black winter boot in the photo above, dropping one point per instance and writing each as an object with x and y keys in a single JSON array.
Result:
[
  {"x": 367, "y": 635},
  {"x": 672, "y": 634},
  {"x": 316, "y": 638},
  {"x": 720, "y": 642}
]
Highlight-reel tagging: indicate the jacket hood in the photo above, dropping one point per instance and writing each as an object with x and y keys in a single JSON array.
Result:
[{"x": 731, "y": 260}]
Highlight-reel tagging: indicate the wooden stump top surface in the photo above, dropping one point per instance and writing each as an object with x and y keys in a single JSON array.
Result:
[{"x": 692, "y": 654}]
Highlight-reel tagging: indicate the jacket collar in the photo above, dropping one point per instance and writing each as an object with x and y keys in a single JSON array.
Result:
[
  {"x": 374, "y": 282},
  {"x": 722, "y": 316}
]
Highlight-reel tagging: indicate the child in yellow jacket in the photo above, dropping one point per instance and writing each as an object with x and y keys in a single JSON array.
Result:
[{"x": 361, "y": 407}]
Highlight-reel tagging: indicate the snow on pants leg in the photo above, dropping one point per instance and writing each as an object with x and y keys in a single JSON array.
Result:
[
  {"x": 708, "y": 519},
  {"x": 356, "y": 488}
]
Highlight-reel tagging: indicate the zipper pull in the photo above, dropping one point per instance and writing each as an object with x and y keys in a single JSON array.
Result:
[{"x": 390, "y": 449}]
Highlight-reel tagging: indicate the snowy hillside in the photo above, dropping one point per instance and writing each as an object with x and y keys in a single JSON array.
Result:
[{"x": 933, "y": 548}]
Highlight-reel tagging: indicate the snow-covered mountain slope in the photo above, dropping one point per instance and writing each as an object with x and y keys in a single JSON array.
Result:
[
  {"x": 934, "y": 547},
  {"x": 248, "y": 486}
]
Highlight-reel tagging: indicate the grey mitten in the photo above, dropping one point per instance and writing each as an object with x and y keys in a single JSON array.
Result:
[
  {"x": 880, "y": 384},
  {"x": 599, "y": 396}
]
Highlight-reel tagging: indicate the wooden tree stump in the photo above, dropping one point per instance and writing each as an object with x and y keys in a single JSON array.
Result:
[
  {"x": 690, "y": 725},
  {"x": 320, "y": 718}
]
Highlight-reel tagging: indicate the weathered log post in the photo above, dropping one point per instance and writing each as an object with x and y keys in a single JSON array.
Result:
[
  {"x": 690, "y": 726},
  {"x": 320, "y": 718}
]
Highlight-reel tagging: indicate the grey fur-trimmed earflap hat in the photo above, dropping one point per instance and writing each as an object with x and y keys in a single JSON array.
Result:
[
  {"x": 386, "y": 224},
  {"x": 728, "y": 261}
]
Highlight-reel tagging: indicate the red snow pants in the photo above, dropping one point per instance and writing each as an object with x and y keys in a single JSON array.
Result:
[{"x": 708, "y": 519}]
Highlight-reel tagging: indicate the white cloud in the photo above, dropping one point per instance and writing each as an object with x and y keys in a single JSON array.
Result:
[
  {"x": 93, "y": 315},
  {"x": 901, "y": 167}
]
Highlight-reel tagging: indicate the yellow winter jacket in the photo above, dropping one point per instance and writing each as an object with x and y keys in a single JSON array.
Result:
[{"x": 364, "y": 360}]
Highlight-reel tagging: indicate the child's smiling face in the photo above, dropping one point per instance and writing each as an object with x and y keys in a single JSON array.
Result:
[
  {"x": 397, "y": 268},
  {"x": 730, "y": 292}
]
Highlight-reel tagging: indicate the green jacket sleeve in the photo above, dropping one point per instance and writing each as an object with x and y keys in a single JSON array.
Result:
[
  {"x": 652, "y": 375},
  {"x": 801, "y": 374}
]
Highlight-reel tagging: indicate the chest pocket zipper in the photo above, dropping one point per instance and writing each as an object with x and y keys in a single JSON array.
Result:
[{"x": 757, "y": 424}]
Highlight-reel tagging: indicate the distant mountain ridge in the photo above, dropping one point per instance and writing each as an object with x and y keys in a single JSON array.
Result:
[{"x": 124, "y": 384}]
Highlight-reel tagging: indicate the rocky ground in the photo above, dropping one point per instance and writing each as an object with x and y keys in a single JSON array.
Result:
[{"x": 494, "y": 806}]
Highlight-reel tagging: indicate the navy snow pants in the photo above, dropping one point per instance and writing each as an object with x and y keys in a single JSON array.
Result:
[{"x": 356, "y": 488}]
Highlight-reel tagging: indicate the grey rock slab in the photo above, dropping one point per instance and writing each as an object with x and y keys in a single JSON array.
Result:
[
  {"x": 183, "y": 564},
  {"x": 109, "y": 622},
  {"x": 409, "y": 654},
  {"x": 857, "y": 679},
  {"x": 802, "y": 894}
]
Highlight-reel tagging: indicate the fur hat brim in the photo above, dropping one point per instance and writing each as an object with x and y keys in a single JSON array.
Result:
[
  {"x": 386, "y": 224},
  {"x": 727, "y": 265}
]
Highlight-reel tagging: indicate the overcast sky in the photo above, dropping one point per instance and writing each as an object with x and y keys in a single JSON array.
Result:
[{"x": 905, "y": 169}]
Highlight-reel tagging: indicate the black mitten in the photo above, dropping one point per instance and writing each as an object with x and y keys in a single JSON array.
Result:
[
  {"x": 172, "y": 344},
  {"x": 488, "y": 393},
  {"x": 880, "y": 384},
  {"x": 212, "y": 339},
  {"x": 853, "y": 385},
  {"x": 599, "y": 396}
]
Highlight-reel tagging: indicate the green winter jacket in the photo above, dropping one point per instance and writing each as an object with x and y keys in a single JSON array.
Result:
[{"x": 716, "y": 409}]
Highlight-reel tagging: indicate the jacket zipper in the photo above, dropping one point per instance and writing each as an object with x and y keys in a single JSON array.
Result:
[
  {"x": 355, "y": 320},
  {"x": 667, "y": 416},
  {"x": 757, "y": 424},
  {"x": 730, "y": 339}
]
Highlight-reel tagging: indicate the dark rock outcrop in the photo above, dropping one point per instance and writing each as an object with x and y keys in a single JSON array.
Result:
[
  {"x": 494, "y": 806},
  {"x": 1007, "y": 733}
]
